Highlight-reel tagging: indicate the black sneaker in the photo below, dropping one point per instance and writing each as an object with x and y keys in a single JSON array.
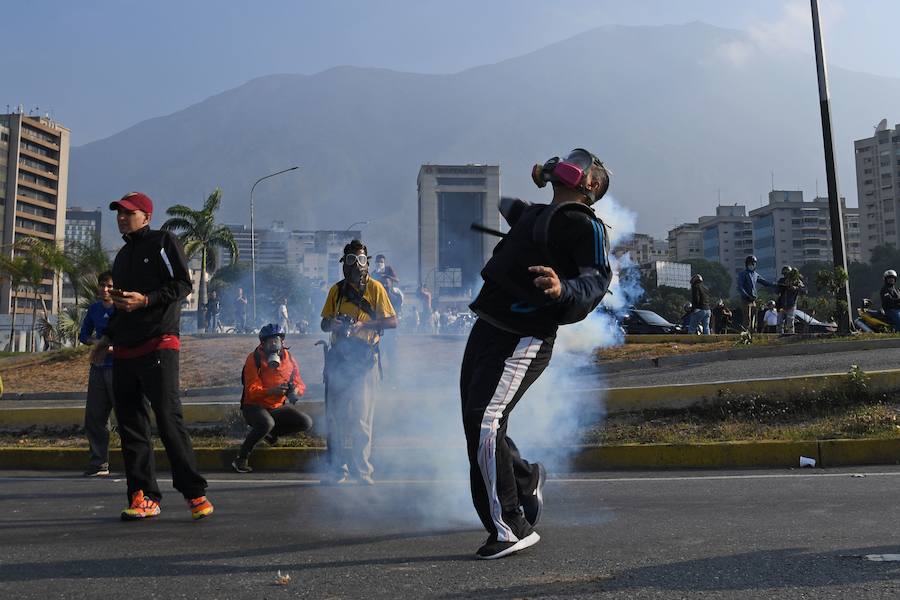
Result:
[
  {"x": 533, "y": 504},
  {"x": 271, "y": 439},
  {"x": 97, "y": 472},
  {"x": 241, "y": 465},
  {"x": 494, "y": 549}
]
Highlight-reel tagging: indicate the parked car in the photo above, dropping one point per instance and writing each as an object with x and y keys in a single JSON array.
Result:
[
  {"x": 647, "y": 321},
  {"x": 805, "y": 323}
]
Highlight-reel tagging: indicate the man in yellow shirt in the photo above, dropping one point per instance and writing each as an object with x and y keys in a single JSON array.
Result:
[{"x": 356, "y": 311}]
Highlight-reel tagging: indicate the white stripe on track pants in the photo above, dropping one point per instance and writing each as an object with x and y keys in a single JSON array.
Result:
[{"x": 498, "y": 367}]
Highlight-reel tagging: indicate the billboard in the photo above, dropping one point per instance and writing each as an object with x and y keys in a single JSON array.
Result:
[{"x": 673, "y": 274}]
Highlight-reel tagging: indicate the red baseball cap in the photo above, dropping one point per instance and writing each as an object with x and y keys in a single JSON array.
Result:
[{"x": 133, "y": 201}]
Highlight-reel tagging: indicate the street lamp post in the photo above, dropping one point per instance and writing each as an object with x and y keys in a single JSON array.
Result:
[
  {"x": 835, "y": 211},
  {"x": 253, "y": 236},
  {"x": 356, "y": 223}
]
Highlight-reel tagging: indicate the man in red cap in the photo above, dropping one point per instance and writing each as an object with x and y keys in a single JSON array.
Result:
[{"x": 152, "y": 279}]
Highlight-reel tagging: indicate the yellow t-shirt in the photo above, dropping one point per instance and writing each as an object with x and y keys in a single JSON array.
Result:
[{"x": 338, "y": 304}]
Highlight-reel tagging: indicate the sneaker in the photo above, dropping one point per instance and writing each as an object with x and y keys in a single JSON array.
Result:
[
  {"x": 336, "y": 479},
  {"x": 367, "y": 479},
  {"x": 241, "y": 465},
  {"x": 271, "y": 439},
  {"x": 97, "y": 472},
  {"x": 533, "y": 504},
  {"x": 200, "y": 507},
  {"x": 141, "y": 507},
  {"x": 494, "y": 549}
]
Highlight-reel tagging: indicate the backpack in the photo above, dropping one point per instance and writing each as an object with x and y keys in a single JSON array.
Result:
[{"x": 258, "y": 362}]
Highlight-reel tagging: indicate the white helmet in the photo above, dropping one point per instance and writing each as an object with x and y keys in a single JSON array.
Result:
[
  {"x": 696, "y": 278},
  {"x": 890, "y": 273}
]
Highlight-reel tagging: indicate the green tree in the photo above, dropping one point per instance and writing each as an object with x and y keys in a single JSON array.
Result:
[
  {"x": 716, "y": 277},
  {"x": 85, "y": 261},
  {"x": 12, "y": 270},
  {"x": 200, "y": 234}
]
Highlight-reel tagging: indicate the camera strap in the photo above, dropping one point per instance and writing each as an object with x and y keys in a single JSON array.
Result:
[{"x": 345, "y": 290}]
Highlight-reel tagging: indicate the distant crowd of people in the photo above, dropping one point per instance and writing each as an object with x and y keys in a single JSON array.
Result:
[{"x": 775, "y": 316}]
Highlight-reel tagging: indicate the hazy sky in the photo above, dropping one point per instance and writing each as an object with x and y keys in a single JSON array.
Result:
[{"x": 101, "y": 66}]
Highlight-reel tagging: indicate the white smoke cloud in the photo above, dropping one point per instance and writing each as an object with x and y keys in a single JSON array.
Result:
[{"x": 791, "y": 31}]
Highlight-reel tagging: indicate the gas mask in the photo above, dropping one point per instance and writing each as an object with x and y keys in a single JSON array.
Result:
[
  {"x": 572, "y": 172},
  {"x": 356, "y": 269},
  {"x": 272, "y": 348}
]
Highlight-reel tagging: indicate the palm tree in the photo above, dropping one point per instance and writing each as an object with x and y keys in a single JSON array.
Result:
[
  {"x": 12, "y": 269},
  {"x": 85, "y": 261},
  {"x": 199, "y": 233}
]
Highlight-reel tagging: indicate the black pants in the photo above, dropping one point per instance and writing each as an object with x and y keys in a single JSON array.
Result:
[
  {"x": 154, "y": 376},
  {"x": 97, "y": 407},
  {"x": 283, "y": 420},
  {"x": 497, "y": 368}
]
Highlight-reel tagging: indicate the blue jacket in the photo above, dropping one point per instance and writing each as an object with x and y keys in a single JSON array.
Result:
[
  {"x": 96, "y": 320},
  {"x": 747, "y": 281}
]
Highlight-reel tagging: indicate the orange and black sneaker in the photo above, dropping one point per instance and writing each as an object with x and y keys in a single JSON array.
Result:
[
  {"x": 141, "y": 507},
  {"x": 200, "y": 507}
]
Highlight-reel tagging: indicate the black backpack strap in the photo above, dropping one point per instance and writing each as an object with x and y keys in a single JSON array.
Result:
[
  {"x": 351, "y": 294},
  {"x": 541, "y": 233},
  {"x": 258, "y": 362}
]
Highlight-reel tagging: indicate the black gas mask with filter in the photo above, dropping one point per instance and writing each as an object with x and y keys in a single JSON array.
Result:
[
  {"x": 572, "y": 172},
  {"x": 272, "y": 345}
]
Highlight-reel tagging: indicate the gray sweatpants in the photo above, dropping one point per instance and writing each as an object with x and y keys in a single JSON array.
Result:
[
  {"x": 350, "y": 410},
  {"x": 97, "y": 408}
]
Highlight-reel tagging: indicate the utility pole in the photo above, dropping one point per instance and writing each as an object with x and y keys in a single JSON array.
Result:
[{"x": 835, "y": 211}]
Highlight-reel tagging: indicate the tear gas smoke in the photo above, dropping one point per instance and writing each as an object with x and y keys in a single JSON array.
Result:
[{"x": 418, "y": 429}]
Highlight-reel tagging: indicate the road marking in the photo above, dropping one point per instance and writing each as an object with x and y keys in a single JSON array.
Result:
[
  {"x": 650, "y": 479},
  {"x": 883, "y": 557}
]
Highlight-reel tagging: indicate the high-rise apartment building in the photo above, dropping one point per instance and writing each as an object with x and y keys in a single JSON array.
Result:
[
  {"x": 315, "y": 254},
  {"x": 643, "y": 249},
  {"x": 82, "y": 225},
  {"x": 685, "y": 242},
  {"x": 878, "y": 188},
  {"x": 791, "y": 231},
  {"x": 451, "y": 198},
  {"x": 728, "y": 237},
  {"x": 34, "y": 174}
]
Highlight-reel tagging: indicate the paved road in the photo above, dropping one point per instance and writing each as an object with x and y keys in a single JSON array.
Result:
[
  {"x": 752, "y": 534},
  {"x": 759, "y": 368}
]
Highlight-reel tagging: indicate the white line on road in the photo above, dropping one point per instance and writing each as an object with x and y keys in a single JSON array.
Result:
[{"x": 650, "y": 479}]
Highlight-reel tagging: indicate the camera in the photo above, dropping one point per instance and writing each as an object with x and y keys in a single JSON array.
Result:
[{"x": 345, "y": 329}]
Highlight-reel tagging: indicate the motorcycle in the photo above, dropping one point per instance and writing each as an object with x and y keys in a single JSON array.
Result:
[{"x": 871, "y": 320}]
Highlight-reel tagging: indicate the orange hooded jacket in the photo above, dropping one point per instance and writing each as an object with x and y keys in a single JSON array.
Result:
[{"x": 257, "y": 382}]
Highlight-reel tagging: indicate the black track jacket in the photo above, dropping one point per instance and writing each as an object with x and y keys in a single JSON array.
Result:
[{"x": 151, "y": 262}]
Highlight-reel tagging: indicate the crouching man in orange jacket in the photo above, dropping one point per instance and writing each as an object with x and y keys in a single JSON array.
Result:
[{"x": 270, "y": 377}]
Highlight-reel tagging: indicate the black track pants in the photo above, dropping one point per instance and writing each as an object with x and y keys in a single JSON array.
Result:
[
  {"x": 154, "y": 376},
  {"x": 497, "y": 368},
  {"x": 283, "y": 420}
]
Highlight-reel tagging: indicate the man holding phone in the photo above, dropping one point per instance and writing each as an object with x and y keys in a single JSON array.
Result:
[{"x": 152, "y": 278}]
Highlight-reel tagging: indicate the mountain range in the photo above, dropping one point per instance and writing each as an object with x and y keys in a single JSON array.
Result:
[{"x": 681, "y": 118}]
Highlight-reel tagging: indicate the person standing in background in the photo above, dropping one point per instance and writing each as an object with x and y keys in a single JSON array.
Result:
[{"x": 100, "y": 399}]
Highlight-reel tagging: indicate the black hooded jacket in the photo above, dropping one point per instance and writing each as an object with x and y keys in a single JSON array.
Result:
[{"x": 151, "y": 262}]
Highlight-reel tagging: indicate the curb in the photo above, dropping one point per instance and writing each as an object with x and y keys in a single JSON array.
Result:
[
  {"x": 786, "y": 349},
  {"x": 769, "y": 454}
]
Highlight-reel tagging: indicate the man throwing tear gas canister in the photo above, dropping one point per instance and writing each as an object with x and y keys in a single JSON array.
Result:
[
  {"x": 549, "y": 270},
  {"x": 356, "y": 311},
  {"x": 270, "y": 377}
]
